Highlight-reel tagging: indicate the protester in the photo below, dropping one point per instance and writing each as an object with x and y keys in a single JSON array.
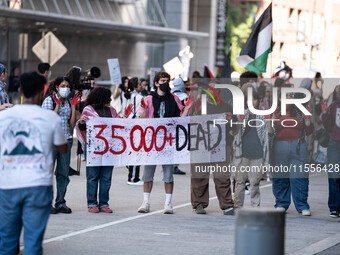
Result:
[
  {"x": 13, "y": 86},
  {"x": 66, "y": 109},
  {"x": 199, "y": 182},
  {"x": 121, "y": 96},
  {"x": 145, "y": 87},
  {"x": 27, "y": 135},
  {"x": 4, "y": 100},
  {"x": 290, "y": 150},
  {"x": 249, "y": 78},
  {"x": 74, "y": 75},
  {"x": 44, "y": 69},
  {"x": 196, "y": 74},
  {"x": 98, "y": 105},
  {"x": 161, "y": 104},
  {"x": 136, "y": 97},
  {"x": 179, "y": 90},
  {"x": 252, "y": 149},
  {"x": 331, "y": 121},
  {"x": 306, "y": 84}
]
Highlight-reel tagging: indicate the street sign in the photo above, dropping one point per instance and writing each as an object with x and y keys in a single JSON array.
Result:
[{"x": 49, "y": 49}]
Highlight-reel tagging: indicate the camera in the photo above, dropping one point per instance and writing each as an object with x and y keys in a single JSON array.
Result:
[{"x": 87, "y": 77}]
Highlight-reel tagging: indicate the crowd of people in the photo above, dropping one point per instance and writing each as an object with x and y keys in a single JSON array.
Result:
[{"x": 49, "y": 112}]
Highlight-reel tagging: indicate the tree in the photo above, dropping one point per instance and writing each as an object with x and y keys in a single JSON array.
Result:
[{"x": 238, "y": 28}]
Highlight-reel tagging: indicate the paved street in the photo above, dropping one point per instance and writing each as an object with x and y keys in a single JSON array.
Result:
[{"x": 127, "y": 232}]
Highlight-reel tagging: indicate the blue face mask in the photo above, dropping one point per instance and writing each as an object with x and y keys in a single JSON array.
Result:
[{"x": 64, "y": 92}]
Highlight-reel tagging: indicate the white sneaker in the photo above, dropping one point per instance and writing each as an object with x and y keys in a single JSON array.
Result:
[
  {"x": 281, "y": 208},
  {"x": 247, "y": 192},
  {"x": 168, "y": 209},
  {"x": 144, "y": 208},
  {"x": 306, "y": 212},
  {"x": 139, "y": 183}
]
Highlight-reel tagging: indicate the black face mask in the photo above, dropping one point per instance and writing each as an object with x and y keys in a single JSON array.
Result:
[{"x": 164, "y": 87}]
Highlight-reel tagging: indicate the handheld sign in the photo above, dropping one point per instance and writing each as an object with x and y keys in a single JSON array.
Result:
[
  {"x": 153, "y": 71},
  {"x": 114, "y": 70}
]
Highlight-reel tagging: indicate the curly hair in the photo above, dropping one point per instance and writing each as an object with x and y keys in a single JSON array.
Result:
[{"x": 98, "y": 98}]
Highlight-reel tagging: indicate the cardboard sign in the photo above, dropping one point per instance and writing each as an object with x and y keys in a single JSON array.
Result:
[
  {"x": 153, "y": 71},
  {"x": 174, "y": 67},
  {"x": 114, "y": 70}
]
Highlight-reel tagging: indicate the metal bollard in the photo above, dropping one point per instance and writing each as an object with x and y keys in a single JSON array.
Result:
[{"x": 260, "y": 231}]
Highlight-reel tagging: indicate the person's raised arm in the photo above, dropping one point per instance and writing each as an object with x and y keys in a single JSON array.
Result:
[{"x": 117, "y": 92}]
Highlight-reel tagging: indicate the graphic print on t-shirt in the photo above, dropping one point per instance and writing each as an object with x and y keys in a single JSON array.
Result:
[{"x": 21, "y": 146}]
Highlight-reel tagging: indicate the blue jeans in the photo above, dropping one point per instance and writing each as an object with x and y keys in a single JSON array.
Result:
[
  {"x": 103, "y": 175},
  {"x": 333, "y": 158},
  {"x": 62, "y": 177},
  {"x": 292, "y": 183},
  {"x": 28, "y": 208}
]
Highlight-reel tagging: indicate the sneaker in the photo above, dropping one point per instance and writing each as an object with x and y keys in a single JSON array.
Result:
[
  {"x": 53, "y": 210},
  {"x": 229, "y": 211},
  {"x": 71, "y": 172},
  {"x": 281, "y": 208},
  {"x": 139, "y": 183},
  {"x": 105, "y": 209},
  {"x": 334, "y": 214},
  {"x": 168, "y": 209},
  {"x": 306, "y": 212},
  {"x": 93, "y": 209},
  {"x": 64, "y": 209},
  {"x": 200, "y": 210},
  {"x": 144, "y": 208},
  {"x": 247, "y": 192},
  {"x": 178, "y": 171}
]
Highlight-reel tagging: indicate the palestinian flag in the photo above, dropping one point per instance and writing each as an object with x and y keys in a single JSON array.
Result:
[
  {"x": 207, "y": 73},
  {"x": 254, "y": 54}
]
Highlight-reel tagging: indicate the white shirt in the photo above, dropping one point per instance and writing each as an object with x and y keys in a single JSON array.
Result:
[
  {"x": 27, "y": 136},
  {"x": 136, "y": 99}
]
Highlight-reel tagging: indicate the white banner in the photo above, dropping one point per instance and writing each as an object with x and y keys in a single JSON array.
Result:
[{"x": 184, "y": 140}]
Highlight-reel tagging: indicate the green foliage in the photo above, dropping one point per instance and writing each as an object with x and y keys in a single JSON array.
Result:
[{"x": 238, "y": 28}]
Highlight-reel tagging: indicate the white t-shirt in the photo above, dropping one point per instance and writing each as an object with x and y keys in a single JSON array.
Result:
[
  {"x": 136, "y": 99},
  {"x": 27, "y": 136}
]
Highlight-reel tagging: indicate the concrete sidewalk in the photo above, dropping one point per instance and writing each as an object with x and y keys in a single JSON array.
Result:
[{"x": 127, "y": 232}]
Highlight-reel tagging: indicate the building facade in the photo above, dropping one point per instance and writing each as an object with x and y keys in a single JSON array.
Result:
[
  {"x": 304, "y": 34},
  {"x": 140, "y": 33}
]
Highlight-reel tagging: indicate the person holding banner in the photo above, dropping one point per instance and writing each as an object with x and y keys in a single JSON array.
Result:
[
  {"x": 136, "y": 97},
  {"x": 161, "y": 104},
  {"x": 97, "y": 105}
]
